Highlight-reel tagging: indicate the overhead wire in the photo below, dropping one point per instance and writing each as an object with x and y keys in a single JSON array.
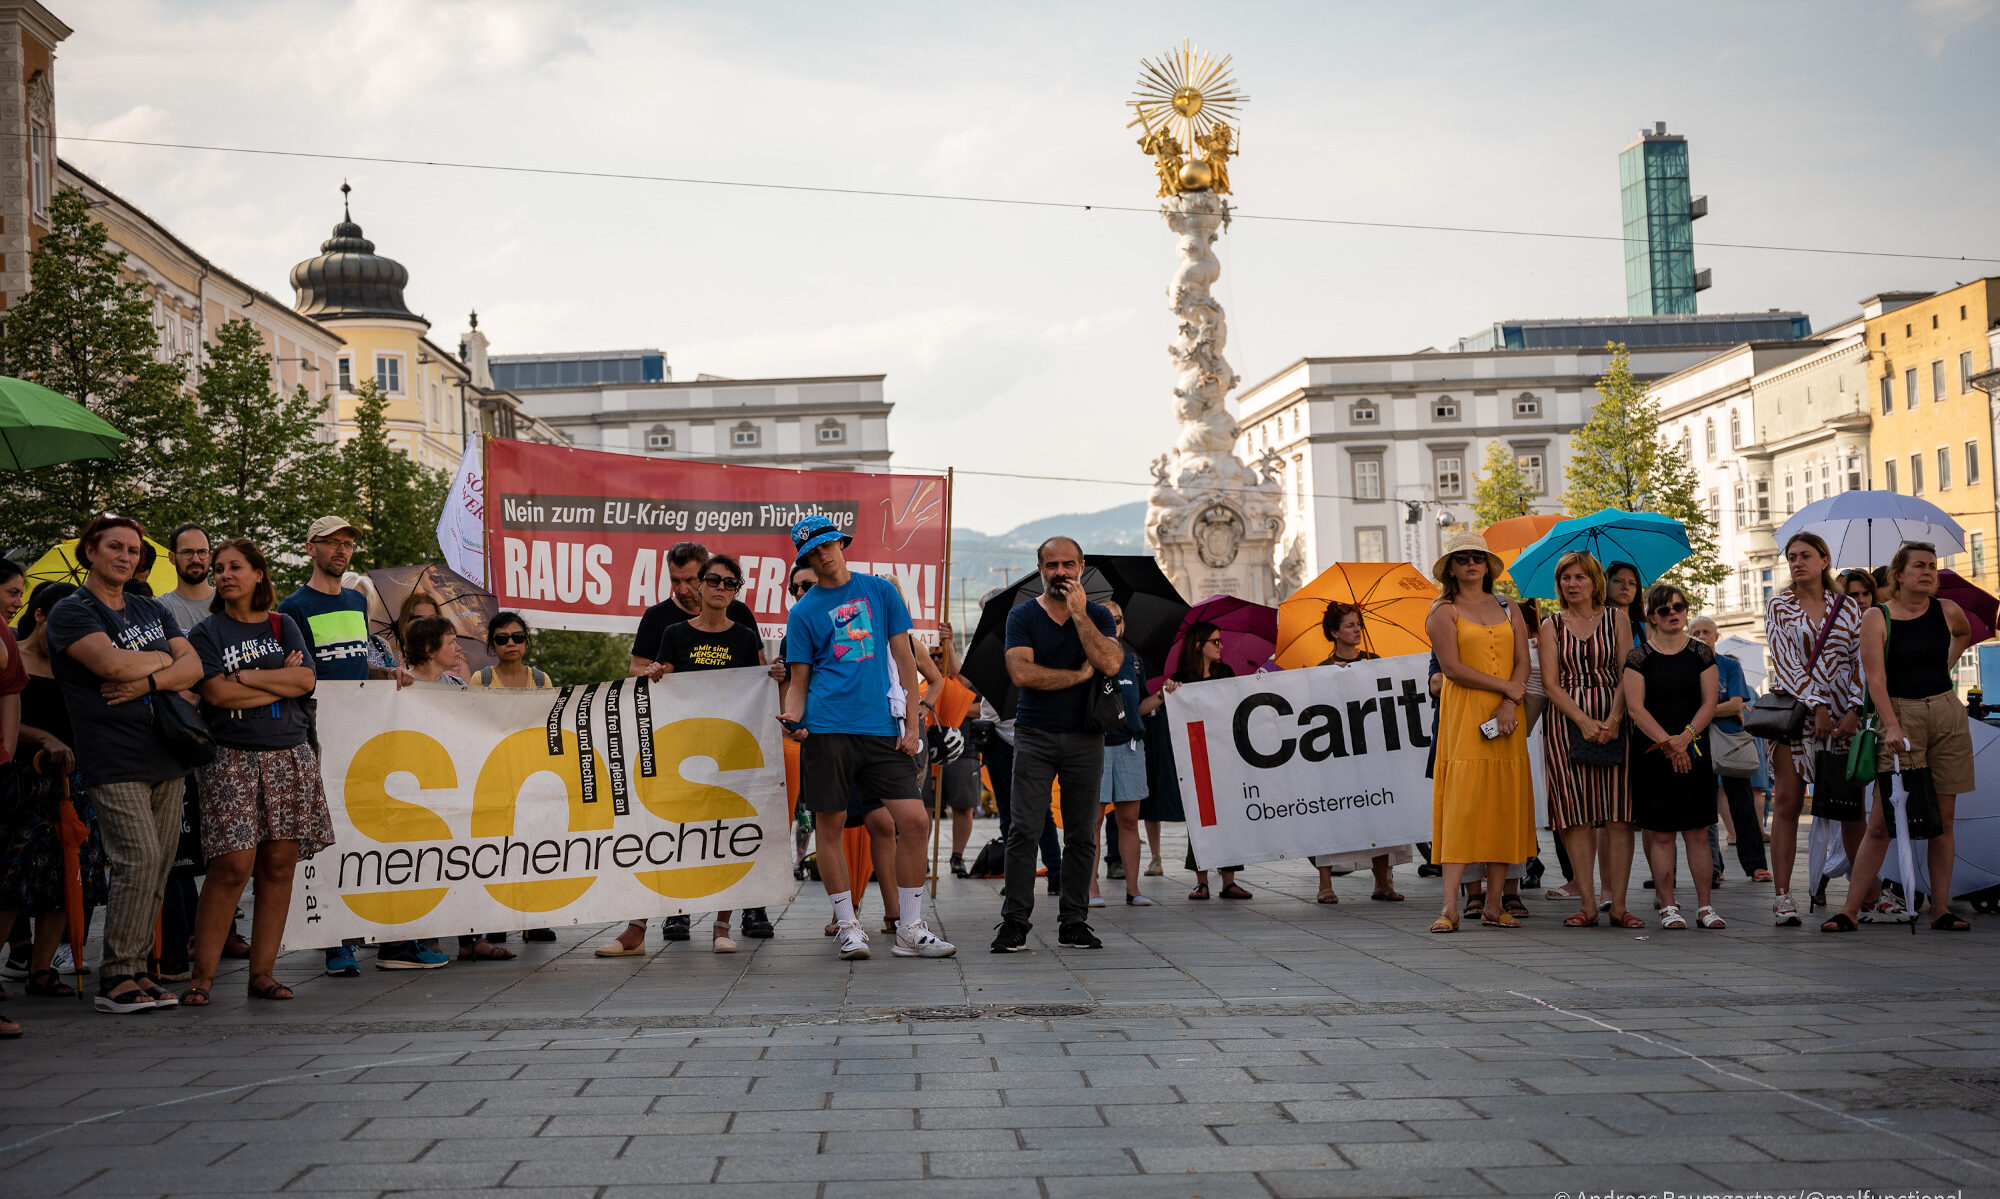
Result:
[{"x": 956, "y": 198}]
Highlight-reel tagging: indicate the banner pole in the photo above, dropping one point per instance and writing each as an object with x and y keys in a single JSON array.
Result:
[
  {"x": 944, "y": 614},
  {"x": 485, "y": 514}
]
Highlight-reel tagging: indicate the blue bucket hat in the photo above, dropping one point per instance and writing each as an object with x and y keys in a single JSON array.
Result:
[{"x": 815, "y": 531}]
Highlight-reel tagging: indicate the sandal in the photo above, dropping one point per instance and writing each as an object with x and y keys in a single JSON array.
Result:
[
  {"x": 9, "y": 1029},
  {"x": 1515, "y": 906},
  {"x": 1391, "y": 896},
  {"x": 1761, "y": 876},
  {"x": 1475, "y": 904},
  {"x": 1200, "y": 891},
  {"x": 1707, "y": 917},
  {"x": 1670, "y": 917},
  {"x": 1445, "y": 924},
  {"x": 50, "y": 984},
  {"x": 271, "y": 990},
  {"x": 1949, "y": 921},
  {"x": 484, "y": 951},
  {"x": 1500, "y": 919},
  {"x": 1566, "y": 891},
  {"x": 1327, "y": 896},
  {"x": 1232, "y": 891},
  {"x": 1628, "y": 920},
  {"x": 195, "y": 996},
  {"x": 1839, "y": 922},
  {"x": 1580, "y": 920}
]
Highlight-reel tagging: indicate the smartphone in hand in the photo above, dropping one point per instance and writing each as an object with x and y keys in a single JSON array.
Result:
[{"x": 1491, "y": 729}]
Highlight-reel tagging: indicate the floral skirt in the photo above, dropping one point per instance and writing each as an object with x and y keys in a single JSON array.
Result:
[
  {"x": 250, "y": 796},
  {"x": 31, "y": 853}
]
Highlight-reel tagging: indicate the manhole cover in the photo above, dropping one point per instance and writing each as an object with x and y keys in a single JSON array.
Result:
[
  {"x": 940, "y": 1013},
  {"x": 1053, "y": 1009}
]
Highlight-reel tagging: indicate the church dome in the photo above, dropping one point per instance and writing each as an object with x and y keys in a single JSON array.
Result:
[{"x": 349, "y": 279}]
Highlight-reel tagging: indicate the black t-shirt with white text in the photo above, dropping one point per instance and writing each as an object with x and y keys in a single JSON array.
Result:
[
  {"x": 685, "y": 647},
  {"x": 653, "y": 626}
]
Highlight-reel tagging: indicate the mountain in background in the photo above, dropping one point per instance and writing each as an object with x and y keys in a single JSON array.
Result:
[{"x": 982, "y": 561}]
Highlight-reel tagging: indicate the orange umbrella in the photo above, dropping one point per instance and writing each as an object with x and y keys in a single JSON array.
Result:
[
  {"x": 1394, "y": 598},
  {"x": 1507, "y": 538}
]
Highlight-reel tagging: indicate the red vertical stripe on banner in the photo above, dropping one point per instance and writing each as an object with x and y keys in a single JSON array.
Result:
[{"x": 1204, "y": 794}]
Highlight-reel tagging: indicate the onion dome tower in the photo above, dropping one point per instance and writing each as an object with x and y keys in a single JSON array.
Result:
[{"x": 349, "y": 280}]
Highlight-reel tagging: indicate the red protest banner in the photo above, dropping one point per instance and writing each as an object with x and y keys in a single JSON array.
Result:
[{"x": 578, "y": 539}]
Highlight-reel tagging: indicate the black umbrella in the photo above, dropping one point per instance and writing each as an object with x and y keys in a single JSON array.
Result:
[{"x": 1153, "y": 611}]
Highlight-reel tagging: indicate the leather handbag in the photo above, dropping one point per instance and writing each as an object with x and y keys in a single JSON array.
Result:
[
  {"x": 181, "y": 729},
  {"x": 1595, "y": 753},
  {"x": 1777, "y": 716},
  {"x": 1735, "y": 753}
]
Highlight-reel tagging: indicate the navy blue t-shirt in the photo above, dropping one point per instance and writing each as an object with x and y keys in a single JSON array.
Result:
[{"x": 1058, "y": 647}]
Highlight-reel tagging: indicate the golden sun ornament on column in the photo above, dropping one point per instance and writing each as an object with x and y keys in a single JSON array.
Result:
[{"x": 1184, "y": 104}]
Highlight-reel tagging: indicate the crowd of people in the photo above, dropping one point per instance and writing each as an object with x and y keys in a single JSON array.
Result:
[{"x": 1645, "y": 732}]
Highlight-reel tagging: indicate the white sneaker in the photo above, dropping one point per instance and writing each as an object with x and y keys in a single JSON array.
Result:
[
  {"x": 1097, "y": 901},
  {"x": 853, "y": 939},
  {"x": 915, "y": 940},
  {"x": 1785, "y": 912},
  {"x": 1889, "y": 910}
]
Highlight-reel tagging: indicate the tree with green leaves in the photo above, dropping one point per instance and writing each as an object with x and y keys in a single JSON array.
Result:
[
  {"x": 267, "y": 473},
  {"x": 1619, "y": 459},
  {"x": 85, "y": 330},
  {"x": 1502, "y": 490},
  {"x": 394, "y": 500}
]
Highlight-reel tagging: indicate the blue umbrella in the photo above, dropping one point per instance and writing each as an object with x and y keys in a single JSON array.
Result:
[
  {"x": 1649, "y": 541},
  {"x": 1865, "y": 528}
]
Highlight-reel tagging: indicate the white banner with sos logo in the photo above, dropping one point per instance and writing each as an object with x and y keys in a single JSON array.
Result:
[
  {"x": 466, "y": 810},
  {"x": 1301, "y": 762}
]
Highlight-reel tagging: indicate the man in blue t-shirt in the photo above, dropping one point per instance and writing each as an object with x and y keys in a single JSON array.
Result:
[
  {"x": 334, "y": 620},
  {"x": 1057, "y": 645},
  {"x": 840, "y": 640}
]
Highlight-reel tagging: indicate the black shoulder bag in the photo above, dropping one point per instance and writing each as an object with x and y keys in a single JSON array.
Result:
[{"x": 1777, "y": 716}]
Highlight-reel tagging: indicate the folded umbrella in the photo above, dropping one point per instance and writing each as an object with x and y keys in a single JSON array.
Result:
[
  {"x": 1249, "y": 634},
  {"x": 73, "y": 833},
  {"x": 39, "y": 427},
  {"x": 1864, "y": 528},
  {"x": 1394, "y": 598},
  {"x": 466, "y": 604},
  {"x": 1652, "y": 543},
  {"x": 1982, "y": 610},
  {"x": 1899, "y": 804}
]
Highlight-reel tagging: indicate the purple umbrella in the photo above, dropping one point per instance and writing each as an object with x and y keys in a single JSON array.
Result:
[{"x": 1249, "y": 634}]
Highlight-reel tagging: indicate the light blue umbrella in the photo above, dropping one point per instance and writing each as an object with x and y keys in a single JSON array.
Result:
[
  {"x": 1649, "y": 541},
  {"x": 1864, "y": 528}
]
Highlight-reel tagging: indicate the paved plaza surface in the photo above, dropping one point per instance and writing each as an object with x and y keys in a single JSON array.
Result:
[{"x": 1269, "y": 1048}]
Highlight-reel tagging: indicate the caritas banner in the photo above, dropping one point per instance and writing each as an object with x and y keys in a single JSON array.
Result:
[
  {"x": 1301, "y": 762},
  {"x": 467, "y": 810},
  {"x": 578, "y": 539}
]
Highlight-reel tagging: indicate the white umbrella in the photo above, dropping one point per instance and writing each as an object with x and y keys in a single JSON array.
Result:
[
  {"x": 1975, "y": 828},
  {"x": 1865, "y": 528},
  {"x": 1748, "y": 654}
]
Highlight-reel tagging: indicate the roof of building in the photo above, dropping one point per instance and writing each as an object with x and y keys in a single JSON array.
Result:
[
  {"x": 349, "y": 279},
  {"x": 1639, "y": 332}
]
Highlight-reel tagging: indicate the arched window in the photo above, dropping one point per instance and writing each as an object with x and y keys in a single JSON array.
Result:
[
  {"x": 1708, "y": 437},
  {"x": 1735, "y": 430}
]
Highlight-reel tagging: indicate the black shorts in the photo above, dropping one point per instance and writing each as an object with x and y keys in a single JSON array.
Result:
[{"x": 832, "y": 764}]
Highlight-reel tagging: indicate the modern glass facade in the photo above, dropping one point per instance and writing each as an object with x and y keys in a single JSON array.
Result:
[
  {"x": 1659, "y": 225},
  {"x": 529, "y": 372},
  {"x": 1640, "y": 332}
]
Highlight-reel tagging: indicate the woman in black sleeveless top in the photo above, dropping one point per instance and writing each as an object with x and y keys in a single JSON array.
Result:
[{"x": 1908, "y": 646}]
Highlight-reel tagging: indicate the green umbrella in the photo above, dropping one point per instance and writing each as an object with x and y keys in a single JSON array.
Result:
[{"x": 39, "y": 427}]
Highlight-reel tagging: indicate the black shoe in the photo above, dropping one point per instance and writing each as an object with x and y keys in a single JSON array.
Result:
[
  {"x": 1648, "y": 884},
  {"x": 1055, "y": 883},
  {"x": 1013, "y": 937},
  {"x": 675, "y": 928},
  {"x": 539, "y": 934},
  {"x": 1531, "y": 876},
  {"x": 958, "y": 867},
  {"x": 757, "y": 923},
  {"x": 1078, "y": 936},
  {"x": 1427, "y": 870}
]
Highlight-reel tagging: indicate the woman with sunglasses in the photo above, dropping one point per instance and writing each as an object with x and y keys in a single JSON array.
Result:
[
  {"x": 507, "y": 636},
  {"x": 1200, "y": 659},
  {"x": 1923, "y": 722},
  {"x": 1670, "y": 686},
  {"x": 1483, "y": 796}
]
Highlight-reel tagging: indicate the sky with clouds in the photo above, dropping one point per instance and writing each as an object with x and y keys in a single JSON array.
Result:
[{"x": 1018, "y": 338}]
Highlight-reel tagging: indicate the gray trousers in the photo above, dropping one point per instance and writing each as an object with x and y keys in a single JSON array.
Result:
[
  {"x": 1040, "y": 759},
  {"x": 141, "y": 825}
]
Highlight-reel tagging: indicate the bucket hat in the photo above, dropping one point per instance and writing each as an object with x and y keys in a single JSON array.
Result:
[{"x": 815, "y": 531}]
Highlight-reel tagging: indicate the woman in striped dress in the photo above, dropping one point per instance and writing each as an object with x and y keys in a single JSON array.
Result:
[
  {"x": 1829, "y": 684},
  {"x": 1584, "y": 644}
]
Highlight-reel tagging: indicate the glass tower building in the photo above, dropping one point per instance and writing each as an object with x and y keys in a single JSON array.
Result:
[{"x": 1659, "y": 211}]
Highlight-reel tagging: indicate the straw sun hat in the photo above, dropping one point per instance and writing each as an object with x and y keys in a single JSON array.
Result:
[{"x": 1459, "y": 543}]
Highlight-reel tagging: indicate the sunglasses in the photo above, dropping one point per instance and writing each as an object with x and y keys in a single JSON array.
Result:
[
  {"x": 1674, "y": 608},
  {"x": 722, "y": 582},
  {"x": 510, "y": 639},
  {"x": 799, "y": 589},
  {"x": 1467, "y": 558},
  {"x": 1213, "y": 641}
]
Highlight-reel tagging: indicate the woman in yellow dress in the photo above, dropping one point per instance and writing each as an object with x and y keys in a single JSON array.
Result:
[{"x": 1482, "y": 795}]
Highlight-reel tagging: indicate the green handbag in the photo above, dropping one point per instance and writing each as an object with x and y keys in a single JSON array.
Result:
[{"x": 1861, "y": 748}]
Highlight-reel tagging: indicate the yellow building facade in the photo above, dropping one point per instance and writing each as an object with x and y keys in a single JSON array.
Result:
[{"x": 1932, "y": 429}]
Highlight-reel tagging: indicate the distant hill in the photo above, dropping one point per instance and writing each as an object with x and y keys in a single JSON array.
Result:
[{"x": 983, "y": 561}]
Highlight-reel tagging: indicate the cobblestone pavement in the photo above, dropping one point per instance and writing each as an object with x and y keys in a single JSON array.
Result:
[{"x": 1219, "y": 1049}]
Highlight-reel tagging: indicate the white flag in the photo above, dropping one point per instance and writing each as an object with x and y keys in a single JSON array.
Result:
[{"x": 462, "y": 526}]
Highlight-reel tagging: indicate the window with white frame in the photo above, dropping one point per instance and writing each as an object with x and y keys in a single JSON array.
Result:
[
  {"x": 1910, "y": 388},
  {"x": 1944, "y": 468},
  {"x": 1964, "y": 371},
  {"x": 389, "y": 372},
  {"x": 346, "y": 373},
  {"x": 1531, "y": 467},
  {"x": 1854, "y": 480},
  {"x": 744, "y": 434},
  {"x": 1764, "y": 499},
  {"x": 1363, "y": 413},
  {"x": 659, "y": 437},
  {"x": 39, "y": 154},
  {"x": 1789, "y": 506},
  {"x": 1742, "y": 513},
  {"x": 1735, "y": 430},
  {"x": 1715, "y": 508},
  {"x": 1977, "y": 544},
  {"x": 1916, "y": 474},
  {"x": 1708, "y": 437},
  {"x": 1444, "y": 408},
  {"x": 1888, "y": 396},
  {"x": 1368, "y": 478},
  {"x": 1743, "y": 587},
  {"x": 831, "y": 432},
  {"x": 1972, "y": 461},
  {"x": 1889, "y": 473},
  {"x": 1937, "y": 381},
  {"x": 1371, "y": 545},
  {"x": 1450, "y": 476},
  {"x": 1527, "y": 404},
  {"x": 1298, "y": 482}
]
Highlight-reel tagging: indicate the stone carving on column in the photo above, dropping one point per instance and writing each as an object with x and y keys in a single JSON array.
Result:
[{"x": 1214, "y": 521}]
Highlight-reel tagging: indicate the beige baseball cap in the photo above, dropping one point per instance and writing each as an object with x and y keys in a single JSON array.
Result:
[{"x": 327, "y": 526}]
